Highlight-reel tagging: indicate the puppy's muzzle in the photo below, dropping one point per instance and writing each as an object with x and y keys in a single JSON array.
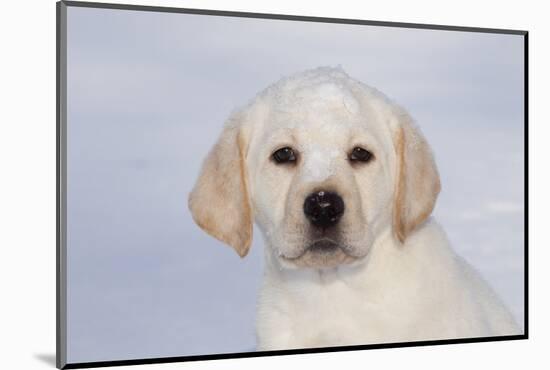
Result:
[{"x": 324, "y": 209}]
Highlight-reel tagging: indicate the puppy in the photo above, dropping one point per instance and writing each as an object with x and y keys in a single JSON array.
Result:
[{"x": 342, "y": 184}]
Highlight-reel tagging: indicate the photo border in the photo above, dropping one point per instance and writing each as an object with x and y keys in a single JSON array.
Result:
[{"x": 61, "y": 184}]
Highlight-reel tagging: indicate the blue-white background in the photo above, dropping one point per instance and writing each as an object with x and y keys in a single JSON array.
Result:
[{"x": 147, "y": 95}]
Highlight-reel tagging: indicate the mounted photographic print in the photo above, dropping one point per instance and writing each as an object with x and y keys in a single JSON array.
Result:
[{"x": 237, "y": 184}]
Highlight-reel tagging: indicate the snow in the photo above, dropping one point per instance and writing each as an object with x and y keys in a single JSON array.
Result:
[
  {"x": 320, "y": 164},
  {"x": 146, "y": 104}
]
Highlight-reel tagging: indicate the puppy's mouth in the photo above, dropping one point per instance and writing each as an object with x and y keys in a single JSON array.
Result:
[
  {"x": 323, "y": 246},
  {"x": 322, "y": 253}
]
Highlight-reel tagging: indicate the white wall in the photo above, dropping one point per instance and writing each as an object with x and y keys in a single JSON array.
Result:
[{"x": 28, "y": 193}]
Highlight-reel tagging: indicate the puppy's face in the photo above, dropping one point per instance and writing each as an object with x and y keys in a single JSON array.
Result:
[
  {"x": 321, "y": 178},
  {"x": 320, "y": 163}
]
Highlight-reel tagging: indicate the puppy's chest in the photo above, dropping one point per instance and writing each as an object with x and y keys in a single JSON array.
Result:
[
  {"x": 325, "y": 317},
  {"x": 327, "y": 314}
]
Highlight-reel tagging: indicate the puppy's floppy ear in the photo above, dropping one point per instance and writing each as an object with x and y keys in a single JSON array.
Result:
[
  {"x": 417, "y": 181},
  {"x": 220, "y": 202}
]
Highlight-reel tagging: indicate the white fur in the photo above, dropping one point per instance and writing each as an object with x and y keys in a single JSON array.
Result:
[
  {"x": 381, "y": 290},
  {"x": 417, "y": 291}
]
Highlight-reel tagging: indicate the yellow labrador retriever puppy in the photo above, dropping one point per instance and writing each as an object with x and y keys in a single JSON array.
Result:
[{"x": 341, "y": 183}]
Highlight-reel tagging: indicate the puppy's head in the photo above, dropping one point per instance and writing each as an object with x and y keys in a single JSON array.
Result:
[{"x": 324, "y": 165}]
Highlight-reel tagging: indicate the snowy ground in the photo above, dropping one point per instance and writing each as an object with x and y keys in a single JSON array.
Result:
[{"x": 148, "y": 94}]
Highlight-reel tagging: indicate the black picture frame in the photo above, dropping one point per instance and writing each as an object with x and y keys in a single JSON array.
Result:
[{"x": 61, "y": 186}]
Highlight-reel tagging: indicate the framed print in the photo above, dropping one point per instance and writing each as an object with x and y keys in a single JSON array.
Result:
[{"x": 238, "y": 184}]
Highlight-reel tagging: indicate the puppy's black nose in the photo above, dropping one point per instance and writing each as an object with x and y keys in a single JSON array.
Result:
[{"x": 323, "y": 209}]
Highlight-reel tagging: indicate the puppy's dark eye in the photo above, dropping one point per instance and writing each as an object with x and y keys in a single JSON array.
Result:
[
  {"x": 284, "y": 155},
  {"x": 359, "y": 154}
]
